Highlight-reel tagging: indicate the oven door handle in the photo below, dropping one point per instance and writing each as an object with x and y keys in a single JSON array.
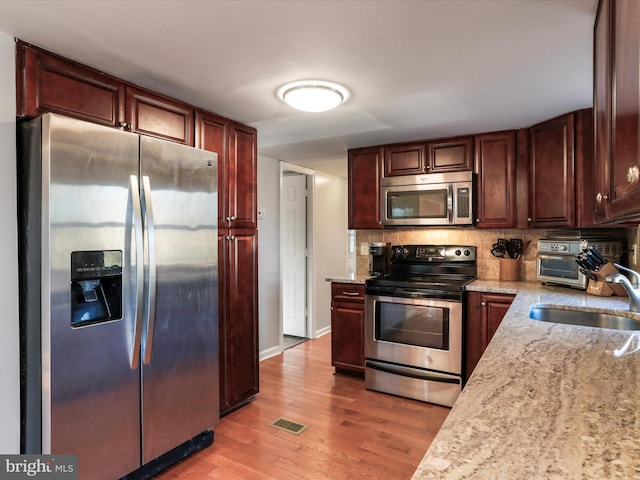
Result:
[
  {"x": 546, "y": 256},
  {"x": 412, "y": 372}
]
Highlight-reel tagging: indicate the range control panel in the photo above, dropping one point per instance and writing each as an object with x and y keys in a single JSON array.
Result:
[{"x": 433, "y": 253}]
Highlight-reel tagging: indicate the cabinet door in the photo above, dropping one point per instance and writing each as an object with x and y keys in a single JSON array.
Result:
[
  {"x": 212, "y": 134},
  {"x": 157, "y": 116},
  {"x": 450, "y": 155},
  {"x": 485, "y": 312},
  {"x": 347, "y": 327},
  {"x": 48, "y": 83},
  {"x": 240, "y": 316},
  {"x": 495, "y": 164},
  {"x": 602, "y": 109},
  {"x": 242, "y": 174},
  {"x": 624, "y": 188},
  {"x": 551, "y": 173},
  {"x": 405, "y": 159},
  {"x": 364, "y": 171}
]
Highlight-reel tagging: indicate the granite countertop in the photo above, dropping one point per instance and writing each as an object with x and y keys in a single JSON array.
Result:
[
  {"x": 546, "y": 400},
  {"x": 348, "y": 278}
]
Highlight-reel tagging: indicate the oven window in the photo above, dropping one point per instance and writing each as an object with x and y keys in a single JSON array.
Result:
[
  {"x": 420, "y": 204},
  {"x": 419, "y": 325},
  {"x": 559, "y": 268}
]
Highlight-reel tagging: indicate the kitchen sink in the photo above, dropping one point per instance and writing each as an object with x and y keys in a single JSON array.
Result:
[{"x": 586, "y": 319}]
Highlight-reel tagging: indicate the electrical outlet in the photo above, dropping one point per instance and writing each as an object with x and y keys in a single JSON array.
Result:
[{"x": 364, "y": 248}]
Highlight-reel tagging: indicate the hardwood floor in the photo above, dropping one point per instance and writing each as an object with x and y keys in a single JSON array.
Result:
[{"x": 353, "y": 433}]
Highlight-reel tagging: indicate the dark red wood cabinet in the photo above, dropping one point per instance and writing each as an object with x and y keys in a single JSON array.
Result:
[
  {"x": 495, "y": 164},
  {"x": 551, "y": 173},
  {"x": 151, "y": 114},
  {"x": 405, "y": 159},
  {"x": 347, "y": 327},
  {"x": 617, "y": 110},
  {"x": 48, "y": 83},
  {"x": 238, "y": 319},
  {"x": 364, "y": 173},
  {"x": 484, "y": 313},
  {"x": 242, "y": 178},
  {"x": 436, "y": 156},
  {"x": 450, "y": 155},
  {"x": 237, "y": 254}
]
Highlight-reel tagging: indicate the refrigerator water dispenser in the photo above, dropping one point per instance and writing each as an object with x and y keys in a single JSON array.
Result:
[{"x": 96, "y": 287}]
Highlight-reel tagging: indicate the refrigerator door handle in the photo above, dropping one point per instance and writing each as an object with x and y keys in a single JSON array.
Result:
[
  {"x": 139, "y": 271},
  {"x": 150, "y": 268}
]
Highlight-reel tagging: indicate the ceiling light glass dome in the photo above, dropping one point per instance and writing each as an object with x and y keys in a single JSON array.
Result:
[{"x": 313, "y": 95}]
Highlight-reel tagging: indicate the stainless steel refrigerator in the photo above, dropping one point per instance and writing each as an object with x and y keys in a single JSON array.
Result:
[{"x": 119, "y": 301}]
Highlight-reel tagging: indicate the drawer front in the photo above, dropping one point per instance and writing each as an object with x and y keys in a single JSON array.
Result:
[{"x": 347, "y": 292}]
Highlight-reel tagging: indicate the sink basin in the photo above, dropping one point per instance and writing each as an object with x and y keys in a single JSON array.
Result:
[{"x": 585, "y": 319}]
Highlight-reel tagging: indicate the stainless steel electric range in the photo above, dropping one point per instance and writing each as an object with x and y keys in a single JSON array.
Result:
[{"x": 413, "y": 322}]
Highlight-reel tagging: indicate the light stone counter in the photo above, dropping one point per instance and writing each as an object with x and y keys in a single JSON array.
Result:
[
  {"x": 546, "y": 401},
  {"x": 349, "y": 278}
]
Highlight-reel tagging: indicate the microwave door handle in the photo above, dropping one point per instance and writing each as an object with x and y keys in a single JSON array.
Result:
[{"x": 450, "y": 203}]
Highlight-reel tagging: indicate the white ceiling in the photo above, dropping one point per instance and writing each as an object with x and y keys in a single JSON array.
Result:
[{"x": 416, "y": 69}]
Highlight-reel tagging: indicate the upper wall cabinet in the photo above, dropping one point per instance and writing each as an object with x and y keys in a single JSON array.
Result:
[
  {"x": 617, "y": 107},
  {"x": 48, "y": 83},
  {"x": 551, "y": 173},
  {"x": 495, "y": 164},
  {"x": 151, "y": 114},
  {"x": 365, "y": 171},
  {"x": 561, "y": 171},
  {"x": 448, "y": 155},
  {"x": 242, "y": 178}
]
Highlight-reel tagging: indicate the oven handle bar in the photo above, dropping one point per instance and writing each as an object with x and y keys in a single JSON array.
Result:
[{"x": 411, "y": 372}]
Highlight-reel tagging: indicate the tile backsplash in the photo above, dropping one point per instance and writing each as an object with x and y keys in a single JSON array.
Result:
[{"x": 488, "y": 265}]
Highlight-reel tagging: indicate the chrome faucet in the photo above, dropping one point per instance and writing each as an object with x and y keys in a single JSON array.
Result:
[{"x": 632, "y": 287}]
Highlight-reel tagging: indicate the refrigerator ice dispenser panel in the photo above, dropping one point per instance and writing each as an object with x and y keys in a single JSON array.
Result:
[{"x": 96, "y": 287}]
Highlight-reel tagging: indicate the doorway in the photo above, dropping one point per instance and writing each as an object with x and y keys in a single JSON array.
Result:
[{"x": 296, "y": 197}]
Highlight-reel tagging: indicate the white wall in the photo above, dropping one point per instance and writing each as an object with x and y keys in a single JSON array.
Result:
[
  {"x": 269, "y": 256},
  {"x": 329, "y": 250},
  {"x": 329, "y": 243},
  {"x": 9, "y": 340}
]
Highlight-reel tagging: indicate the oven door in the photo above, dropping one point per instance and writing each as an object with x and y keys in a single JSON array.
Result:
[
  {"x": 424, "y": 333},
  {"x": 413, "y": 347}
]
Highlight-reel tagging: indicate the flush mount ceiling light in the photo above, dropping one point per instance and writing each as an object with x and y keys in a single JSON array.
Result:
[{"x": 313, "y": 95}]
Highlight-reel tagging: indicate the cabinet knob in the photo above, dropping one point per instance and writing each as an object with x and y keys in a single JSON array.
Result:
[
  {"x": 231, "y": 238},
  {"x": 633, "y": 174},
  {"x": 124, "y": 125},
  {"x": 529, "y": 219},
  {"x": 426, "y": 168},
  {"x": 484, "y": 304},
  {"x": 231, "y": 218},
  {"x": 600, "y": 197}
]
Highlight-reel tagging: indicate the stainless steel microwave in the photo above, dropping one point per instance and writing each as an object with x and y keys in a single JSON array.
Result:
[{"x": 434, "y": 199}]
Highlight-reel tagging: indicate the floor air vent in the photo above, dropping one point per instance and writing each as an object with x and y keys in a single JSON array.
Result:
[{"x": 289, "y": 426}]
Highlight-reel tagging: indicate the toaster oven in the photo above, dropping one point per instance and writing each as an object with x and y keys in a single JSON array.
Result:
[{"x": 556, "y": 260}]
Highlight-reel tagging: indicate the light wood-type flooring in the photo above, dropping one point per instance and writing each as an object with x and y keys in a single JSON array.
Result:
[{"x": 353, "y": 433}]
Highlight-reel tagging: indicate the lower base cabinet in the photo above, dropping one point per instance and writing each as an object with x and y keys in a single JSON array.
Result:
[
  {"x": 347, "y": 328},
  {"x": 484, "y": 313}
]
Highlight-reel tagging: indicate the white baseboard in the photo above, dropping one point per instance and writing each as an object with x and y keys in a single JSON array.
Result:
[
  {"x": 270, "y": 352},
  {"x": 323, "y": 331}
]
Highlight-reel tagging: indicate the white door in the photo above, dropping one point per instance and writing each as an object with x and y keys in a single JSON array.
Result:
[{"x": 294, "y": 237}]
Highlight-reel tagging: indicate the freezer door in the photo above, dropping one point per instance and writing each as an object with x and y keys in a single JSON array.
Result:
[
  {"x": 180, "y": 337},
  {"x": 90, "y": 392}
]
